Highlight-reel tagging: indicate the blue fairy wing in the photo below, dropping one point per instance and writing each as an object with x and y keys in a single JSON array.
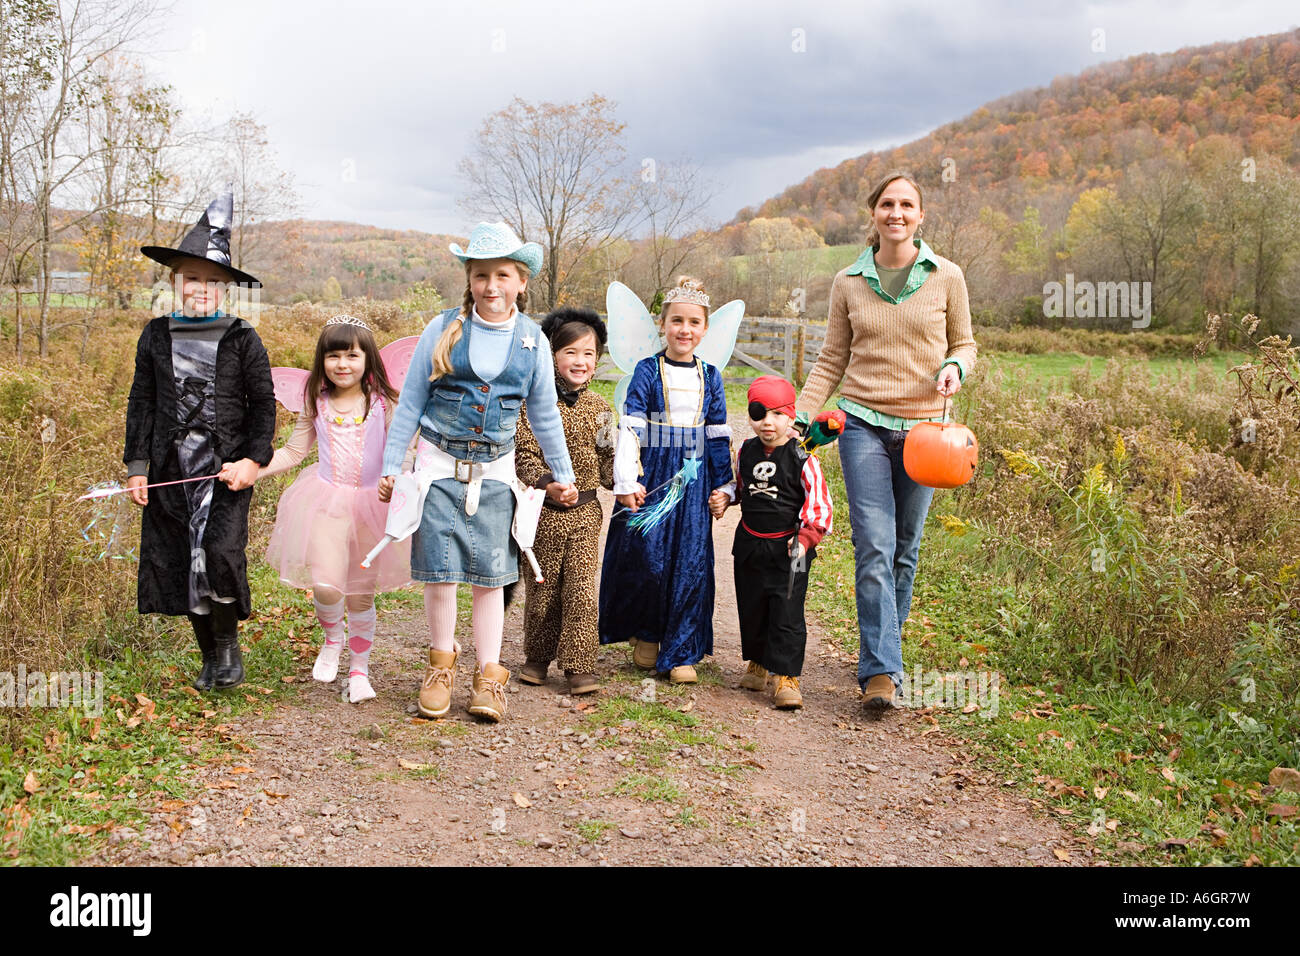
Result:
[
  {"x": 633, "y": 334},
  {"x": 720, "y": 340},
  {"x": 620, "y": 393}
]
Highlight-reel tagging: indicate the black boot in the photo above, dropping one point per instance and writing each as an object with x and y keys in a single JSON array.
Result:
[
  {"x": 229, "y": 669},
  {"x": 208, "y": 648}
]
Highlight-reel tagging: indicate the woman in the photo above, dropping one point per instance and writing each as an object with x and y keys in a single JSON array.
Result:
[{"x": 898, "y": 344}]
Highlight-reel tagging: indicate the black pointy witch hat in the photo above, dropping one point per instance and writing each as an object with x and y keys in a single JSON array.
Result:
[{"x": 209, "y": 240}]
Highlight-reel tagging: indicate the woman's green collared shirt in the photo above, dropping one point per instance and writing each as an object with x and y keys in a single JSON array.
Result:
[{"x": 922, "y": 266}]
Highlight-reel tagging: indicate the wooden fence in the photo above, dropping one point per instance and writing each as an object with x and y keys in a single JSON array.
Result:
[{"x": 765, "y": 346}]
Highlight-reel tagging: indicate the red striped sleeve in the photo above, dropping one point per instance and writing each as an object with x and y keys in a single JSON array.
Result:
[{"x": 815, "y": 515}]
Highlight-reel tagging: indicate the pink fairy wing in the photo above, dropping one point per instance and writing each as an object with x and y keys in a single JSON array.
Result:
[
  {"x": 290, "y": 387},
  {"x": 397, "y": 359}
]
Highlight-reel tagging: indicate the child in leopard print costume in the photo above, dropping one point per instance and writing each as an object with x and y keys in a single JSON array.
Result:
[{"x": 560, "y": 614}]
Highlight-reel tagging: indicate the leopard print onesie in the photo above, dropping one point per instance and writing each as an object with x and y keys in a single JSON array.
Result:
[{"x": 560, "y": 614}]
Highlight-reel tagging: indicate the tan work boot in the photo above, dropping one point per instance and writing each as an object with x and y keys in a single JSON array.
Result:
[
  {"x": 439, "y": 678},
  {"x": 489, "y": 698},
  {"x": 787, "y": 696},
  {"x": 644, "y": 654},
  {"x": 755, "y": 677},
  {"x": 879, "y": 693},
  {"x": 685, "y": 674}
]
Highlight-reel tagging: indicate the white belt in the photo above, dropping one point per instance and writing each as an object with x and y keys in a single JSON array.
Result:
[{"x": 437, "y": 464}]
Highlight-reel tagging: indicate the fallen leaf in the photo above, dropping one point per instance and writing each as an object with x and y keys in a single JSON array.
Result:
[
  {"x": 286, "y": 679},
  {"x": 521, "y": 800},
  {"x": 1282, "y": 811},
  {"x": 275, "y": 796},
  {"x": 1100, "y": 792},
  {"x": 190, "y": 690},
  {"x": 240, "y": 770},
  {"x": 1253, "y": 860},
  {"x": 970, "y": 708},
  {"x": 30, "y": 783},
  {"x": 688, "y": 706},
  {"x": 209, "y": 713},
  {"x": 147, "y": 706},
  {"x": 1175, "y": 844},
  {"x": 1060, "y": 854},
  {"x": 135, "y": 721},
  {"x": 411, "y": 764},
  {"x": 1284, "y": 778},
  {"x": 1168, "y": 774}
]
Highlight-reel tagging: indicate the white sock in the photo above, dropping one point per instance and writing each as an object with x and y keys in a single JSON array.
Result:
[
  {"x": 489, "y": 622},
  {"x": 330, "y": 616},
  {"x": 440, "y": 611}
]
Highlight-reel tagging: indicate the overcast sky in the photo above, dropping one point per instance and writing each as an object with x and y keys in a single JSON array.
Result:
[{"x": 394, "y": 91}]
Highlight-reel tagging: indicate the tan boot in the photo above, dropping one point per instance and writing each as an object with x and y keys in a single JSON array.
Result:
[
  {"x": 644, "y": 654},
  {"x": 879, "y": 693},
  {"x": 489, "y": 698},
  {"x": 787, "y": 696},
  {"x": 755, "y": 677},
  {"x": 439, "y": 678},
  {"x": 685, "y": 674}
]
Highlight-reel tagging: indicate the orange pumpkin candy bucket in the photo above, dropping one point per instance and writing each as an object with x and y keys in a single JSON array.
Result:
[{"x": 940, "y": 455}]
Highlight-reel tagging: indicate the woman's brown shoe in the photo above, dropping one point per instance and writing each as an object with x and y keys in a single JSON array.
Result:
[{"x": 879, "y": 693}]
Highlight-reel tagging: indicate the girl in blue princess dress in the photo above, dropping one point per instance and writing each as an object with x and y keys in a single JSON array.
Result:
[
  {"x": 673, "y": 450},
  {"x": 470, "y": 372}
]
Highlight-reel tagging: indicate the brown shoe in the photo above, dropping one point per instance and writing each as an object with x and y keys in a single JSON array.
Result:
[
  {"x": 439, "y": 678},
  {"x": 489, "y": 698},
  {"x": 644, "y": 654},
  {"x": 582, "y": 683},
  {"x": 685, "y": 674},
  {"x": 755, "y": 677},
  {"x": 879, "y": 693},
  {"x": 787, "y": 696},
  {"x": 533, "y": 672}
]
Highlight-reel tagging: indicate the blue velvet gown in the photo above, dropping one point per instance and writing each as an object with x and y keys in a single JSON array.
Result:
[{"x": 657, "y": 584}]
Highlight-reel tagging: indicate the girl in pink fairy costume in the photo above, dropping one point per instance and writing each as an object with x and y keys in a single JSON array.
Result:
[{"x": 331, "y": 515}]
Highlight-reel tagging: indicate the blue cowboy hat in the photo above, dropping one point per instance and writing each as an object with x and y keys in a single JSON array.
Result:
[{"x": 496, "y": 240}]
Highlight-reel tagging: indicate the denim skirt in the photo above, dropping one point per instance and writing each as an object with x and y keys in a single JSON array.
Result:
[{"x": 451, "y": 546}]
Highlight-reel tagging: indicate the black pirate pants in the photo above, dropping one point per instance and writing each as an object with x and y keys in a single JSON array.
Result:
[{"x": 772, "y": 629}]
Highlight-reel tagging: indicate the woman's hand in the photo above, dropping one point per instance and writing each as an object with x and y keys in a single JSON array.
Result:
[
  {"x": 139, "y": 493},
  {"x": 385, "y": 487},
  {"x": 949, "y": 381},
  {"x": 239, "y": 475}
]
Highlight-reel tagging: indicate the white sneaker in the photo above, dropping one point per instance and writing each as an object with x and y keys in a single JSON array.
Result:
[
  {"x": 326, "y": 667},
  {"x": 359, "y": 688}
]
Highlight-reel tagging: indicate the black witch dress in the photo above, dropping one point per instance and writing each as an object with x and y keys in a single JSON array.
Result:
[{"x": 202, "y": 395}]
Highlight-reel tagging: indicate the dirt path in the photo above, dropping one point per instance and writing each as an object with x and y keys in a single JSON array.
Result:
[{"x": 709, "y": 774}]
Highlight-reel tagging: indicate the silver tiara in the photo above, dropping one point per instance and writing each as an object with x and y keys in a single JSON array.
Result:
[
  {"x": 348, "y": 320},
  {"x": 681, "y": 293}
]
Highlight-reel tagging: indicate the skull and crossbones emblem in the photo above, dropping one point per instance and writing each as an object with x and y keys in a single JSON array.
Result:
[{"x": 763, "y": 473}]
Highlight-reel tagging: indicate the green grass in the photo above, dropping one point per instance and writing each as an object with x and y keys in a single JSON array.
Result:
[
  {"x": 92, "y": 775},
  {"x": 1052, "y": 370},
  {"x": 593, "y": 830},
  {"x": 1137, "y": 767},
  {"x": 651, "y": 789}
]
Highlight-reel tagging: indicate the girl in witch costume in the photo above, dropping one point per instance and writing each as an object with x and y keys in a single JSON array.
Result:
[
  {"x": 471, "y": 371},
  {"x": 201, "y": 404},
  {"x": 674, "y": 448},
  {"x": 560, "y": 612},
  {"x": 330, "y": 516}
]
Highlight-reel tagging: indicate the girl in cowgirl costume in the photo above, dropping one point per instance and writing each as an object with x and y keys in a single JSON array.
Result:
[{"x": 470, "y": 374}]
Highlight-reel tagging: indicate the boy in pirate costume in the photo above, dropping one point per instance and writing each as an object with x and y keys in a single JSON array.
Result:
[
  {"x": 202, "y": 407},
  {"x": 785, "y": 511}
]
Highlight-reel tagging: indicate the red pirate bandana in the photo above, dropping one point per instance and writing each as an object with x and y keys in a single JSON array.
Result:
[{"x": 771, "y": 392}]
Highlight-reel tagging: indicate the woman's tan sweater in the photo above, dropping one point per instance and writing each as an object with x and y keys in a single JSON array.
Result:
[{"x": 888, "y": 355}]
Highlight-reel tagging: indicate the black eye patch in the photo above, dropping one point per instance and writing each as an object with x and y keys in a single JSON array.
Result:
[{"x": 757, "y": 411}]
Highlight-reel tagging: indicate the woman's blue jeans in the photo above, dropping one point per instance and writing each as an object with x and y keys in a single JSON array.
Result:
[{"x": 887, "y": 511}]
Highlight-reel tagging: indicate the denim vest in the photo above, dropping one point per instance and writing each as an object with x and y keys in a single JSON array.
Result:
[{"x": 476, "y": 419}]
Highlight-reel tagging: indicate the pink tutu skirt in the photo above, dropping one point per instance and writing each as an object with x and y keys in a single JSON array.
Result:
[{"x": 323, "y": 532}]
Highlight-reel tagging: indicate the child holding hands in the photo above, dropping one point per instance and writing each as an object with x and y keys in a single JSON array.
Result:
[{"x": 785, "y": 511}]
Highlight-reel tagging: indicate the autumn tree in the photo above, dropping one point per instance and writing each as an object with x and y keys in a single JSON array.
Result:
[{"x": 552, "y": 172}]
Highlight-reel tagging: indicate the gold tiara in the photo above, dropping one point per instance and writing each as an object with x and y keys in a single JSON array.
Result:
[
  {"x": 348, "y": 320},
  {"x": 681, "y": 293}
]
